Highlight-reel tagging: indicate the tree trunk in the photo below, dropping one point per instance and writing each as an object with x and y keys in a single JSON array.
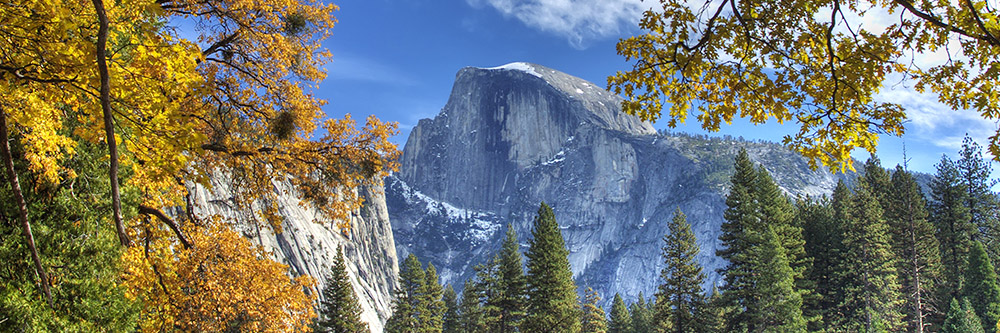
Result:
[
  {"x": 109, "y": 121},
  {"x": 15, "y": 185}
]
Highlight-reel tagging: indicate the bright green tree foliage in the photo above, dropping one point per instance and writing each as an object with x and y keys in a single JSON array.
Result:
[
  {"x": 825, "y": 247},
  {"x": 340, "y": 311},
  {"x": 916, "y": 249},
  {"x": 953, "y": 222},
  {"x": 982, "y": 202},
  {"x": 451, "y": 318},
  {"x": 505, "y": 299},
  {"x": 982, "y": 287},
  {"x": 680, "y": 300},
  {"x": 431, "y": 307},
  {"x": 406, "y": 305},
  {"x": 642, "y": 315},
  {"x": 593, "y": 315},
  {"x": 715, "y": 312},
  {"x": 75, "y": 241},
  {"x": 552, "y": 299},
  {"x": 760, "y": 279},
  {"x": 961, "y": 319},
  {"x": 872, "y": 300},
  {"x": 470, "y": 310},
  {"x": 620, "y": 320}
]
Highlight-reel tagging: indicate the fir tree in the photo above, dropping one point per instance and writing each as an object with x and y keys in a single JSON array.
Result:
[
  {"x": 680, "y": 299},
  {"x": 510, "y": 295},
  {"x": 980, "y": 200},
  {"x": 961, "y": 319},
  {"x": 452, "y": 322},
  {"x": 872, "y": 298},
  {"x": 488, "y": 293},
  {"x": 642, "y": 315},
  {"x": 761, "y": 282},
  {"x": 406, "y": 305},
  {"x": 593, "y": 315},
  {"x": 713, "y": 317},
  {"x": 825, "y": 247},
  {"x": 620, "y": 320},
  {"x": 982, "y": 287},
  {"x": 879, "y": 181},
  {"x": 954, "y": 228},
  {"x": 552, "y": 300},
  {"x": 916, "y": 249},
  {"x": 470, "y": 310},
  {"x": 431, "y": 308},
  {"x": 341, "y": 312}
]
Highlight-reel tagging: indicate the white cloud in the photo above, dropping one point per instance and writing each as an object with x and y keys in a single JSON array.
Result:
[{"x": 580, "y": 21}]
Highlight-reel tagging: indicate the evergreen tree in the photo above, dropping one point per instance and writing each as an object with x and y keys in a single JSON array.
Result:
[
  {"x": 642, "y": 315},
  {"x": 75, "y": 243},
  {"x": 680, "y": 299},
  {"x": 879, "y": 181},
  {"x": 406, "y": 305},
  {"x": 488, "y": 293},
  {"x": 982, "y": 287},
  {"x": 961, "y": 319},
  {"x": 452, "y": 322},
  {"x": 593, "y": 315},
  {"x": 872, "y": 299},
  {"x": 470, "y": 310},
  {"x": 825, "y": 247},
  {"x": 509, "y": 298},
  {"x": 713, "y": 318},
  {"x": 982, "y": 203},
  {"x": 552, "y": 300},
  {"x": 916, "y": 249},
  {"x": 431, "y": 308},
  {"x": 341, "y": 312},
  {"x": 954, "y": 228},
  {"x": 761, "y": 284},
  {"x": 621, "y": 320}
]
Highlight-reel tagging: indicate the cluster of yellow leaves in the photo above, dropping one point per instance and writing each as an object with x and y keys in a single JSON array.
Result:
[
  {"x": 223, "y": 284},
  {"x": 806, "y": 61}
]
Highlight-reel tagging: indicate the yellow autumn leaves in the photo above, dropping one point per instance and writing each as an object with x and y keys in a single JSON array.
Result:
[
  {"x": 813, "y": 62},
  {"x": 234, "y": 101}
]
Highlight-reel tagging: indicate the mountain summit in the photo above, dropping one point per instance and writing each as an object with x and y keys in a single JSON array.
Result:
[{"x": 518, "y": 134}]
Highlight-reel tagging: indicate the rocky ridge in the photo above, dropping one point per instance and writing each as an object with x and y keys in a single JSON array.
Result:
[{"x": 512, "y": 136}]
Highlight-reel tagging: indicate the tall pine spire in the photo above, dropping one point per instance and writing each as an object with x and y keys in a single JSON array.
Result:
[
  {"x": 620, "y": 320},
  {"x": 982, "y": 287},
  {"x": 680, "y": 298},
  {"x": 954, "y": 227},
  {"x": 872, "y": 300},
  {"x": 340, "y": 311},
  {"x": 981, "y": 201},
  {"x": 592, "y": 320},
  {"x": 916, "y": 249},
  {"x": 552, "y": 300}
]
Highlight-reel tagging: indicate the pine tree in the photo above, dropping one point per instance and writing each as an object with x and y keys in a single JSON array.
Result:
[
  {"x": 872, "y": 298},
  {"x": 621, "y": 320},
  {"x": 642, "y": 315},
  {"x": 470, "y": 310},
  {"x": 761, "y": 283},
  {"x": 982, "y": 203},
  {"x": 341, "y": 312},
  {"x": 406, "y": 304},
  {"x": 431, "y": 308},
  {"x": 962, "y": 319},
  {"x": 954, "y": 228},
  {"x": 593, "y": 315},
  {"x": 452, "y": 321},
  {"x": 715, "y": 312},
  {"x": 982, "y": 287},
  {"x": 879, "y": 181},
  {"x": 916, "y": 249},
  {"x": 680, "y": 299},
  {"x": 552, "y": 300},
  {"x": 510, "y": 298},
  {"x": 825, "y": 247}
]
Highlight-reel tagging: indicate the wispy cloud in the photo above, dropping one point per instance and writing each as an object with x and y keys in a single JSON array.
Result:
[
  {"x": 351, "y": 68},
  {"x": 580, "y": 21},
  {"x": 931, "y": 121}
]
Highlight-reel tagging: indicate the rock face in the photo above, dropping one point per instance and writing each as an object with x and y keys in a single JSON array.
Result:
[
  {"x": 516, "y": 135},
  {"x": 308, "y": 243}
]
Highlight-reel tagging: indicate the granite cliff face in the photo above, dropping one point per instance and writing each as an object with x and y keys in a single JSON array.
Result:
[
  {"x": 308, "y": 242},
  {"x": 513, "y": 136}
]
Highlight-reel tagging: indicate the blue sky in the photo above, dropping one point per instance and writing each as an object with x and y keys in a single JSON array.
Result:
[{"x": 398, "y": 59}]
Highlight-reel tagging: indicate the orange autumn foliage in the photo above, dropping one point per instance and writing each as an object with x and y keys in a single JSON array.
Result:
[{"x": 225, "y": 284}]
